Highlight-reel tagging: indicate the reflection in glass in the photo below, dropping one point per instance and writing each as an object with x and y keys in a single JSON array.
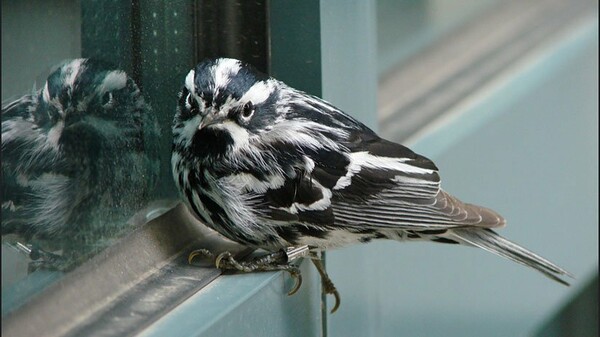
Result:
[{"x": 80, "y": 157}]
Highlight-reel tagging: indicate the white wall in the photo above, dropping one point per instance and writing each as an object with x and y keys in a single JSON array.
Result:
[
  {"x": 528, "y": 147},
  {"x": 36, "y": 35}
]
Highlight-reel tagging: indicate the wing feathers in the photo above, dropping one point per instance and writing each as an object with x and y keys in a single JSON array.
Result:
[
  {"x": 381, "y": 185},
  {"x": 445, "y": 212}
]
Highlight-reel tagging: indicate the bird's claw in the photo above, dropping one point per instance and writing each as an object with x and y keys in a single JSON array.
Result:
[
  {"x": 274, "y": 261},
  {"x": 199, "y": 252},
  {"x": 270, "y": 262},
  {"x": 297, "y": 276},
  {"x": 225, "y": 255},
  {"x": 333, "y": 291},
  {"x": 328, "y": 286},
  {"x": 226, "y": 261}
]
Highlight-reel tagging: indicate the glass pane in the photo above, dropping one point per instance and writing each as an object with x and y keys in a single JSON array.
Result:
[{"x": 88, "y": 94}]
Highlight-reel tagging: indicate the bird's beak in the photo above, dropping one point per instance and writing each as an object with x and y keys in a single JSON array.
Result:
[
  {"x": 210, "y": 119},
  {"x": 205, "y": 121}
]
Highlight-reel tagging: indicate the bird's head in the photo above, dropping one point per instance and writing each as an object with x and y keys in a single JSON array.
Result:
[
  {"x": 89, "y": 104},
  {"x": 224, "y": 105}
]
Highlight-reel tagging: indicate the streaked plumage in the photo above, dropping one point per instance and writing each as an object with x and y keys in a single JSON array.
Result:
[
  {"x": 270, "y": 167},
  {"x": 79, "y": 157}
]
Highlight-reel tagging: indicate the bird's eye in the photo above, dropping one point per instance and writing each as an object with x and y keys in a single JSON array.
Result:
[
  {"x": 191, "y": 104},
  {"x": 189, "y": 101},
  {"x": 107, "y": 99},
  {"x": 248, "y": 110}
]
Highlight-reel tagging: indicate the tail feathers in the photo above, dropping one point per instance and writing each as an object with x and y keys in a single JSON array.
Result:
[{"x": 489, "y": 240}]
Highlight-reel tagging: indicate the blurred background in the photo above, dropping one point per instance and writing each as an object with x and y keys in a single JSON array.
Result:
[{"x": 501, "y": 95}]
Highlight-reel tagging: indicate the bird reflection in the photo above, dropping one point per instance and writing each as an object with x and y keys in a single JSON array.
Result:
[{"x": 80, "y": 156}]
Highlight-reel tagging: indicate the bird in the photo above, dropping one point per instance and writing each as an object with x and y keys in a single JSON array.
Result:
[
  {"x": 274, "y": 168},
  {"x": 79, "y": 157}
]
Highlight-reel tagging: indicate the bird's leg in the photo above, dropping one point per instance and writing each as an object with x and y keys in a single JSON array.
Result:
[
  {"x": 328, "y": 286},
  {"x": 40, "y": 258},
  {"x": 280, "y": 260}
]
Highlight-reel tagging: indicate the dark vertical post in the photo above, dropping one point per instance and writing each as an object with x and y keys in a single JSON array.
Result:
[
  {"x": 233, "y": 28},
  {"x": 295, "y": 44}
]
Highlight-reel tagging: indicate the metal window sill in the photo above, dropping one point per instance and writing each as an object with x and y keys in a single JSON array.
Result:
[{"x": 125, "y": 287}]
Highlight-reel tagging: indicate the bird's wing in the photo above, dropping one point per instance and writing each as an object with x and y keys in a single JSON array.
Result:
[
  {"x": 368, "y": 192},
  {"x": 14, "y": 197},
  {"x": 33, "y": 191},
  {"x": 15, "y": 193},
  {"x": 347, "y": 176},
  {"x": 387, "y": 185}
]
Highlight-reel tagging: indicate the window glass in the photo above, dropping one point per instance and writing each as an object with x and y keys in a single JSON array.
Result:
[{"x": 88, "y": 94}]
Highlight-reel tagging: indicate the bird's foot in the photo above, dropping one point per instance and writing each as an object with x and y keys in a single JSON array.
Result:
[
  {"x": 280, "y": 260},
  {"x": 328, "y": 286},
  {"x": 41, "y": 259}
]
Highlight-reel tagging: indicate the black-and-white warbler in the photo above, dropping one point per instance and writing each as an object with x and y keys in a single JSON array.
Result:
[
  {"x": 79, "y": 157},
  {"x": 272, "y": 167}
]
